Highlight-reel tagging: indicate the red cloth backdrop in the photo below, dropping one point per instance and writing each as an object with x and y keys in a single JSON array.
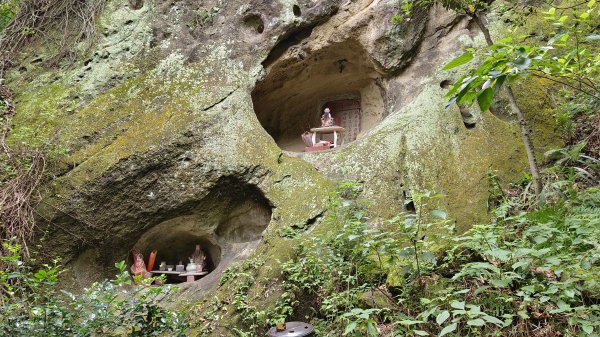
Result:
[{"x": 346, "y": 113}]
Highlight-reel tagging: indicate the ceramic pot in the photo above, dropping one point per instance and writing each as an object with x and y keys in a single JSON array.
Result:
[{"x": 191, "y": 267}]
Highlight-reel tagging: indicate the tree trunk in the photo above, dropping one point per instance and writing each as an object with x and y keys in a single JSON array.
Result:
[
  {"x": 533, "y": 167},
  {"x": 483, "y": 28}
]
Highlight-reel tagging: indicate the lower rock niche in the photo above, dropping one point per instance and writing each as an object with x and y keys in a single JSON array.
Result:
[
  {"x": 226, "y": 226},
  {"x": 174, "y": 249}
]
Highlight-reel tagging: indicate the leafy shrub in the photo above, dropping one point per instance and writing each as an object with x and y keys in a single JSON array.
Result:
[
  {"x": 526, "y": 270},
  {"x": 32, "y": 305}
]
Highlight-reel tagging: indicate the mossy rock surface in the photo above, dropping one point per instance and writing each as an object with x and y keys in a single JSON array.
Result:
[{"x": 167, "y": 130}]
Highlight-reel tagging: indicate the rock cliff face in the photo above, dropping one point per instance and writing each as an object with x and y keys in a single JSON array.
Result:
[{"x": 183, "y": 122}]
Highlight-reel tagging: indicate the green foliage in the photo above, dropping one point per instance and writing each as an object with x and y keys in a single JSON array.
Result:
[
  {"x": 572, "y": 164},
  {"x": 459, "y": 61},
  {"x": 8, "y": 9},
  {"x": 572, "y": 110},
  {"x": 288, "y": 232},
  {"x": 334, "y": 273},
  {"x": 350, "y": 189},
  {"x": 32, "y": 305},
  {"x": 496, "y": 194},
  {"x": 569, "y": 57},
  {"x": 499, "y": 278},
  {"x": 361, "y": 322},
  {"x": 241, "y": 279},
  {"x": 468, "y": 7},
  {"x": 423, "y": 230}
]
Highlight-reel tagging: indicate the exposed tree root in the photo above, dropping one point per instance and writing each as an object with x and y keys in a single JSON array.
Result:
[
  {"x": 73, "y": 20},
  {"x": 20, "y": 176}
]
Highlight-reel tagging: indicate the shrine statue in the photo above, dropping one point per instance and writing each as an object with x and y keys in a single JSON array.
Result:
[
  {"x": 138, "y": 267},
  {"x": 326, "y": 119},
  {"x": 197, "y": 261}
]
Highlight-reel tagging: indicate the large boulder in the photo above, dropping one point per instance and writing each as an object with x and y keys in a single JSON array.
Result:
[{"x": 174, "y": 129}]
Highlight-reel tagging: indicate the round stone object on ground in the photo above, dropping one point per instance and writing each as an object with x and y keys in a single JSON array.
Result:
[{"x": 293, "y": 329}]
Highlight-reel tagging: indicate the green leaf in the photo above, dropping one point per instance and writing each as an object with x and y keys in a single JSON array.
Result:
[
  {"x": 556, "y": 38},
  {"x": 557, "y": 311},
  {"x": 586, "y": 264},
  {"x": 459, "y": 61},
  {"x": 428, "y": 257},
  {"x": 587, "y": 328},
  {"x": 540, "y": 252},
  {"x": 481, "y": 289},
  {"x": 458, "y": 305},
  {"x": 350, "y": 327},
  {"x": 493, "y": 320},
  {"x": 483, "y": 266},
  {"x": 474, "y": 309},
  {"x": 485, "y": 99},
  {"x": 487, "y": 84},
  {"x": 121, "y": 265},
  {"x": 371, "y": 329},
  {"x": 448, "y": 329},
  {"x": 439, "y": 214},
  {"x": 522, "y": 63},
  {"x": 421, "y": 332},
  {"x": 409, "y": 322},
  {"x": 500, "y": 254},
  {"x": 476, "y": 322},
  {"x": 442, "y": 317},
  {"x": 569, "y": 293},
  {"x": 501, "y": 283},
  {"x": 466, "y": 87},
  {"x": 499, "y": 82},
  {"x": 521, "y": 263}
]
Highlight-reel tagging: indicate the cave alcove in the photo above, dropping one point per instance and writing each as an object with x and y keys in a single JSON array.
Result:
[
  {"x": 177, "y": 244},
  {"x": 298, "y": 85},
  {"x": 230, "y": 219}
]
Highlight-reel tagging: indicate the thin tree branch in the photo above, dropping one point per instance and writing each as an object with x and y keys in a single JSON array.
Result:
[{"x": 537, "y": 74}]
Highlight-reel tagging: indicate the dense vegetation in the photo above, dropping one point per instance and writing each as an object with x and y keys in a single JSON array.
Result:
[
  {"x": 526, "y": 273},
  {"x": 32, "y": 305}
]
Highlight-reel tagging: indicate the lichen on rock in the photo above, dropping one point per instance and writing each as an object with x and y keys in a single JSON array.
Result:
[{"x": 167, "y": 125}]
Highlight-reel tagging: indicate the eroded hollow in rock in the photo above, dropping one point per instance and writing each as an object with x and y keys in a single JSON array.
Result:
[
  {"x": 299, "y": 84},
  {"x": 177, "y": 245},
  {"x": 254, "y": 23},
  {"x": 230, "y": 220}
]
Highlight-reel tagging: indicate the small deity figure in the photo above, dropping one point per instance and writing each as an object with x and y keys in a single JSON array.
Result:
[
  {"x": 326, "y": 119},
  {"x": 198, "y": 259},
  {"x": 138, "y": 267}
]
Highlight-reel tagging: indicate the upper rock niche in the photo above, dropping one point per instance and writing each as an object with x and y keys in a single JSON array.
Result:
[{"x": 299, "y": 85}]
